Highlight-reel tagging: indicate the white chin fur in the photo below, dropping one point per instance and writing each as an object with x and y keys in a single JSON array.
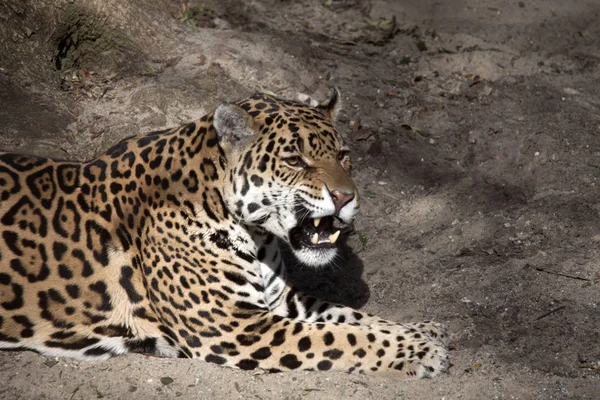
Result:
[{"x": 315, "y": 257}]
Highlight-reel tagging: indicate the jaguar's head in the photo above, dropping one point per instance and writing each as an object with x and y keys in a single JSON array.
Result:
[{"x": 288, "y": 172}]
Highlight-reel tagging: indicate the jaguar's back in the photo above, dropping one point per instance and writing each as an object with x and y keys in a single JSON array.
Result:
[{"x": 70, "y": 254}]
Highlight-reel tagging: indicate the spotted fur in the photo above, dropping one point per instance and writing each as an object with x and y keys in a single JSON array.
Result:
[{"x": 168, "y": 244}]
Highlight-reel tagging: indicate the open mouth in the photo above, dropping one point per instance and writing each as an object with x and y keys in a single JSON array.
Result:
[{"x": 315, "y": 233}]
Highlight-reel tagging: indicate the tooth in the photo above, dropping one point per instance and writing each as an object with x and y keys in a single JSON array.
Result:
[
  {"x": 316, "y": 221},
  {"x": 333, "y": 238},
  {"x": 315, "y": 239}
]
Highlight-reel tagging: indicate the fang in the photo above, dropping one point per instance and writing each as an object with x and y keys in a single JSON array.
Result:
[
  {"x": 333, "y": 238},
  {"x": 315, "y": 239},
  {"x": 316, "y": 221}
]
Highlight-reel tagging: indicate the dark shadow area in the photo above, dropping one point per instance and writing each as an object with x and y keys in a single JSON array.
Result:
[{"x": 340, "y": 283}]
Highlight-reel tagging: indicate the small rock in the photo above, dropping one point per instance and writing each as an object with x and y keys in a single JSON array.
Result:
[
  {"x": 50, "y": 363},
  {"x": 571, "y": 91}
]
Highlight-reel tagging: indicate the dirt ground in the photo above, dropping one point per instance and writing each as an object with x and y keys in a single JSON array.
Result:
[{"x": 475, "y": 130}]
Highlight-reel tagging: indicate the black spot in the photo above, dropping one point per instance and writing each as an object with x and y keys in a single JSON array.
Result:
[
  {"x": 256, "y": 180},
  {"x": 62, "y": 335},
  {"x": 143, "y": 346},
  {"x": 20, "y": 162},
  {"x": 215, "y": 359},
  {"x": 127, "y": 284},
  {"x": 98, "y": 240},
  {"x": 113, "y": 331},
  {"x": 252, "y": 207},
  {"x": 352, "y": 339},
  {"x": 360, "y": 353},
  {"x": 73, "y": 291},
  {"x": 146, "y": 140},
  {"x": 118, "y": 149},
  {"x": 139, "y": 170},
  {"x": 304, "y": 344},
  {"x": 270, "y": 146},
  {"x": 68, "y": 177},
  {"x": 96, "y": 170},
  {"x": 100, "y": 288},
  {"x": 22, "y": 207},
  {"x": 8, "y": 339},
  {"x": 235, "y": 278},
  {"x": 328, "y": 339},
  {"x": 264, "y": 162},
  {"x": 221, "y": 238},
  {"x": 278, "y": 338},
  {"x": 8, "y": 187},
  {"x": 245, "y": 305},
  {"x": 42, "y": 187},
  {"x": 97, "y": 351},
  {"x": 156, "y": 162},
  {"x": 17, "y": 301},
  {"x": 59, "y": 249},
  {"x": 261, "y": 354},
  {"x": 11, "y": 239},
  {"x": 290, "y": 361},
  {"x": 247, "y": 340},
  {"x": 124, "y": 237},
  {"x": 216, "y": 349},
  {"x": 245, "y": 186},
  {"x": 74, "y": 345},
  {"x": 334, "y": 354},
  {"x": 194, "y": 298},
  {"x": 64, "y": 272},
  {"x": 247, "y": 364},
  {"x": 324, "y": 365},
  {"x": 115, "y": 187},
  {"x": 371, "y": 337},
  {"x": 145, "y": 154},
  {"x": 87, "y": 269},
  {"x": 4, "y": 279}
]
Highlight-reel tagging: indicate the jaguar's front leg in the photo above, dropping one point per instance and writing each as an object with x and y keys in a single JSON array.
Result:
[
  {"x": 299, "y": 306},
  {"x": 272, "y": 342}
]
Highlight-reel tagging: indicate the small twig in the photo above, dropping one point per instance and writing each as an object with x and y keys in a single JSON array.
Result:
[
  {"x": 593, "y": 165},
  {"x": 104, "y": 91},
  {"x": 563, "y": 275},
  {"x": 590, "y": 366},
  {"x": 550, "y": 312}
]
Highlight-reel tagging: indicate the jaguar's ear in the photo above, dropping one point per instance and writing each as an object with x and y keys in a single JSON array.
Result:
[
  {"x": 233, "y": 124},
  {"x": 333, "y": 105}
]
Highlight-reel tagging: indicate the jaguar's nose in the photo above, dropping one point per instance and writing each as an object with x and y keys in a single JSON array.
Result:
[{"x": 340, "y": 199}]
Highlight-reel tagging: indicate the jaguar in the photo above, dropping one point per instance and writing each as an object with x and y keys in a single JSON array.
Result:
[{"x": 170, "y": 244}]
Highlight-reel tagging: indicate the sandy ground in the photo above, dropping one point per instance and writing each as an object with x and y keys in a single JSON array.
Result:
[{"x": 474, "y": 126}]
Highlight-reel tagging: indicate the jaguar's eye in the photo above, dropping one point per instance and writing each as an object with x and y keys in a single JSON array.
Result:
[{"x": 295, "y": 161}]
